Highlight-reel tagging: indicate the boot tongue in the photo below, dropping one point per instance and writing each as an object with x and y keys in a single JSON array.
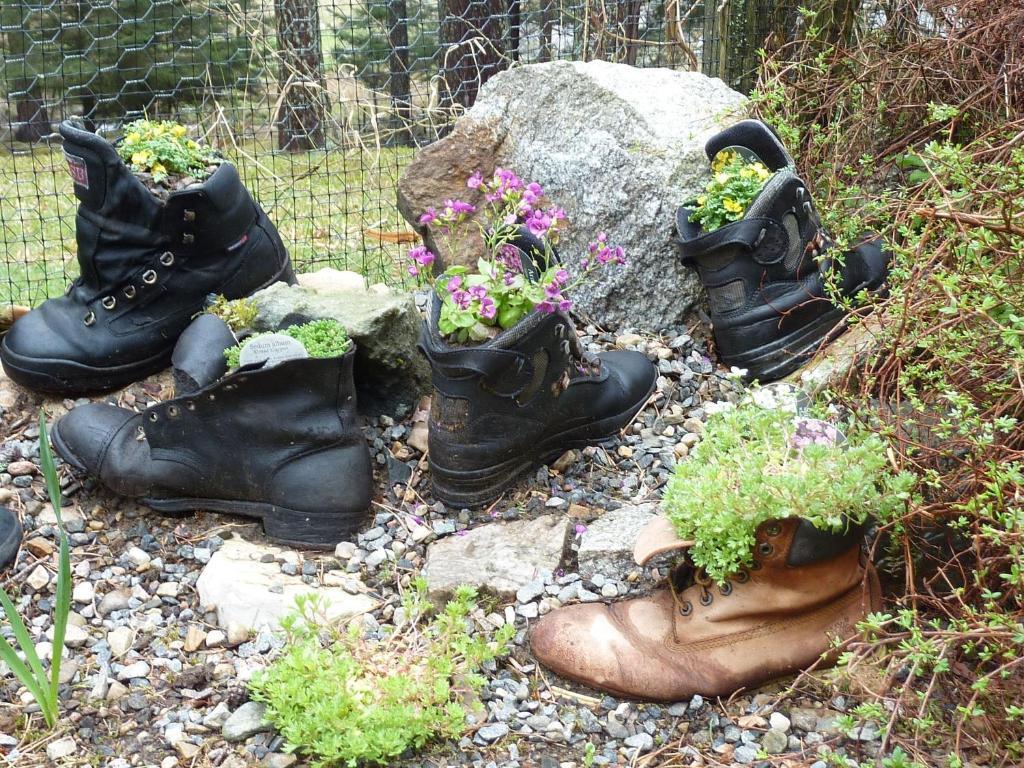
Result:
[
  {"x": 656, "y": 538},
  {"x": 102, "y": 183},
  {"x": 751, "y": 138}
]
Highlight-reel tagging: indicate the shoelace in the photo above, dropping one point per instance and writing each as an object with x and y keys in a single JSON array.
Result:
[{"x": 686, "y": 575}]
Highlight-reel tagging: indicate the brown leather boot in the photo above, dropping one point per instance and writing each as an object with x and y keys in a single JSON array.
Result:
[{"x": 805, "y": 589}]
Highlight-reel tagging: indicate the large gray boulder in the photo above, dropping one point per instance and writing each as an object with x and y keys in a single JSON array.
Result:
[{"x": 618, "y": 147}]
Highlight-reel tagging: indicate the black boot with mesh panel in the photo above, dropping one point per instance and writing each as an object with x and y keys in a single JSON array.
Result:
[
  {"x": 520, "y": 400},
  {"x": 767, "y": 275}
]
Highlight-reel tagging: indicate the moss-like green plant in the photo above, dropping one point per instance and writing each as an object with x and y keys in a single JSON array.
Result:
[
  {"x": 340, "y": 699},
  {"x": 239, "y": 314},
  {"x": 735, "y": 182},
  {"x": 751, "y": 467},
  {"x": 321, "y": 338},
  {"x": 162, "y": 148}
]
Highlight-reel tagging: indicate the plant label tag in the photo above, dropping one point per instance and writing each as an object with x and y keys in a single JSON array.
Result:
[
  {"x": 78, "y": 169},
  {"x": 271, "y": 349}
]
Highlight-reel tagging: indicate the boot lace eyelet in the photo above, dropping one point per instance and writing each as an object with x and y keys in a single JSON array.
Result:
[
  {"x": 167, "y": 258},
  {"x": 773, "y": 529},
  {"x": 755, "y": 566},
  {"x": 725, "y": 589},
  {"x": 109, "y": 302},
  {"x": 189, "y": 215},
  {"x": 190, "y": 405},
  {"x": 172, "y": 411},
  {"x": 129, "y": 292},
  {"x": 808, "y": 208},
  {"x": 149, "y": 277},
  {"x": 706, "y": 598},
  {"x": 765, "y": 549},
  {"x": 686, "y": 608},
  {"x": 153, "y": 416},
  {"x": 741, "y": 578},
  {"x": 213, "y": 397},
  {"x": 188, "y": 238},
  {"x": 89, "y": 319}
]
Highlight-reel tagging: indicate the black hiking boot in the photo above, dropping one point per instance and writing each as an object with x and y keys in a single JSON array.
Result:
[
  {"x": 282, "y": 444},
  {"x": 501, "y": 408},
  {"x": 766, "y": 274},
  {"x": 146, "y": 268},
  {"x": 10, "y": 537}
]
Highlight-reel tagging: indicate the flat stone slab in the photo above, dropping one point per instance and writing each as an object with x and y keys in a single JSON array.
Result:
[
  {"x": 255, "y": 594},
  {"x": 606, "y": 547},
  {"x": 498, "y": 558}
]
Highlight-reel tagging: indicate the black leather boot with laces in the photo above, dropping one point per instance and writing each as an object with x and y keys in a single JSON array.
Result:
[
  {"x": 147, "y": 265},
  {"x": 767, "y": 275},
  {"x": 520, "y": 400}
]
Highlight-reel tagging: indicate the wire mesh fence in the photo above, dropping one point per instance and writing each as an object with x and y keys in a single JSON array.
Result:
[{"x": 320, "y": 103}]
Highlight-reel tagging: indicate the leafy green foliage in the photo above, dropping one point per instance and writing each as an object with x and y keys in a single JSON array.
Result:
[
  {"x": 44, "y": 688},
  {"x": 340, "y": 699},
  {"x": 162, "y": 148},
  {"x": 321, "y": 338},
  {"x": 746, "y": 471},
  {"x": 239, "y": 314},
  {"x": 735, "y": 183}
]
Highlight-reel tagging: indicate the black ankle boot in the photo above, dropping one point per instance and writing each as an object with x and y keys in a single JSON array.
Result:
[
  {"x": 766, "y": 274},
  {"x": 146, "y": 268},
  {"x": 504, "y": 407},
  {"x": 281, "y": 444}
]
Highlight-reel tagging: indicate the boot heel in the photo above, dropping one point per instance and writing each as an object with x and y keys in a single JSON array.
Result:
[{"x": 309, "y": 530}]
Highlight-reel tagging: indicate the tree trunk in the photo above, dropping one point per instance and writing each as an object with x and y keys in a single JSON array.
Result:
[
  {"x": 304, "y": 103},
  {"x": 33, "y": 121},
  {"x": 472, "y": 50},
  {"x": 398, "y": 71}
]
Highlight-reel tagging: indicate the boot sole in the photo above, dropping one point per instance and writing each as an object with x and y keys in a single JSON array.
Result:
[
  {"x": 469, "y": 489},
  {"x": 67, "y": 377},
  {"x": 777, "y": 360}
]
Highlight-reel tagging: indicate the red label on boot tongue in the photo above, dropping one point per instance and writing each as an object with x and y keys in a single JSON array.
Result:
[{"x": 78, "y": 169}]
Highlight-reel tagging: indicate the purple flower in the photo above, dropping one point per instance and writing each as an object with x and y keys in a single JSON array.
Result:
[
  {"x": 580, "y": 529},
  {"x": 538, "y": 223},
  {"x": 414, "y": 270},
  {"x": 457, "y": 207},
  {"x": 429, "y": 217},
  {"x": 478, "y": 292},
  {"x": 552, "y": 291},
  {"x": 462, "y": 299},
  {"x": 475, "y": 181},
  {"x": 421, "y": 255},
  {"x": 546, "y": 307},
  {"x": 561, "y": 277},
  {"x": 454, "y": 284},
  {"x": 487, "y": 308}
]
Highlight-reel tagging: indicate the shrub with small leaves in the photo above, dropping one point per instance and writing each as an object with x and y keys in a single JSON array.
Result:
[
  {"x": 340, "y": 699},
  {"x": 757, "y": 464},
  {"x": 162, "y": 148},
  {"x": 239, "y": 314},
  {"x": 735, "y": 182}
]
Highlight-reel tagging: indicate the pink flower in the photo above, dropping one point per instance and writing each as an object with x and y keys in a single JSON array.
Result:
[
  {"x": 462, "y": 299},
  {"x": 454, "y": 284},
  {"x": 414, "y": 270},
  {"x": 421, "y": 255},
  {"x": 487, "y": 308},
  {"x": 429, "y": 217},
  {"x": 457, "y": 208},
  {"x": 475, "y": 181},
  {"x": 478, "y": 292},
  {"x": 580, "y": 529}
]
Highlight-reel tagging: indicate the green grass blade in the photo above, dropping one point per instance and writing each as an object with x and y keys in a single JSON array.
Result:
[
  {"x": 62, "y": 602},
  {"x": 30, "y": 681},
  {"x": 22, "y": 636},
  {"x": 49, "y": 470}
]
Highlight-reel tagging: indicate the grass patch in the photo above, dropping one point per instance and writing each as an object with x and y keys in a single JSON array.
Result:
[{"x": 327, "y": 205}]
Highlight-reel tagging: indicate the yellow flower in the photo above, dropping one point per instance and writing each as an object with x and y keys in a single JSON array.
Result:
[
  {"x": 178, "y": 130},
  {"x": 702, "y": 199},
  {"x": 133, "y": 137},
  {"x": 722, "y": 159},
  {"x": 141, "y": 157},
  {"x": 732, "y": 206},
  {"x": 158, "y": 168}
]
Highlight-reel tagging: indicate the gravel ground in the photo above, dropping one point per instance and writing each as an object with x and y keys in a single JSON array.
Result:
[{"x": 152, "y": 680}]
